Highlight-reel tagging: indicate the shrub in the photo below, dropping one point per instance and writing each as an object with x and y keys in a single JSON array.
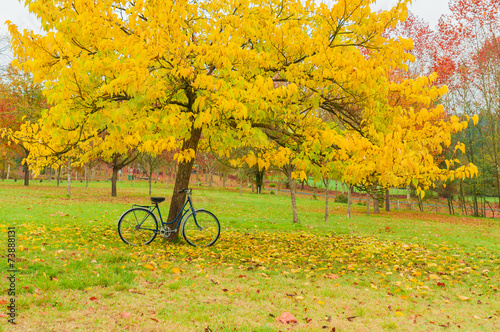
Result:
[
  {"x": 272, "y": 185},
  {"x": 341, "y": 198}
]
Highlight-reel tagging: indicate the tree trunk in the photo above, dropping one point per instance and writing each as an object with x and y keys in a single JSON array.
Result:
[
  {"x": 50, "y": 174},
  {"x": 59, "y": 174},
  {"x": 26, "y": 171},
  {"x": 223, "y": 180},
  {"x": 210, "y": 178},
  {"x": 150, "y": 185},
  {"x": 259, "y": 180},
  {"x": 349, "y": 201},
  {"x": 69, "y": 177},
  {"x": 376, "y": 203},
  {"x": 8, "y": 171},
  {"x": 367, "y": 204},
  {"x": 293, "y": 186},
  {"x": 167, "y": 176},
  {"x": 86, "y": 177},
  {"x": 326, "y": 182},
  {"x": 408, "y": 199},
  {"x": 387, "y": 202},
  {"x": 3, "y": 168},
  {"x": 114, "y": 180},
  {"x": 182, "y": 180}
]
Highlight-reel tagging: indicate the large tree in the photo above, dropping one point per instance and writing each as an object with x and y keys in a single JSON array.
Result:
[{"x": 161, "y": 75}]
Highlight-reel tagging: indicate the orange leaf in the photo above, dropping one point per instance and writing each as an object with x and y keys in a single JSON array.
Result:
[
  {"x": 287, "y": 318},
  {"x": 125, "y": 314}
]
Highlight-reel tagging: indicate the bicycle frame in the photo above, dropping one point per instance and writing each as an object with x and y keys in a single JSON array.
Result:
[{"x": 180, "y": 216}]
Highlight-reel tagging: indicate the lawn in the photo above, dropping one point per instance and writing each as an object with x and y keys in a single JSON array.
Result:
[{"x": 399, "y": 271}]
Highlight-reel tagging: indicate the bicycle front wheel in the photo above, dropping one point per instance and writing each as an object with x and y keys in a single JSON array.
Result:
[
  {"x": 201, "y": 228},
  {"x": 138, "y": 226}
]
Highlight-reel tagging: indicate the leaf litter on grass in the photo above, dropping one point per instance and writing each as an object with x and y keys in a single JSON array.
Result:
[{"x": 396, "y": 268}]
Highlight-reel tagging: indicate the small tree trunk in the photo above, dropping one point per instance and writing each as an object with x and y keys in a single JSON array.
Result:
[
  {"x": 167, "y": 173},
  {"x": 3, "y": 168},
  {"x": 293, "y": 186},
  {"x": 114, "y": 180},
  {"x": 50, "y": 174},
  {"x": 224, "y": 180},
  {"x": 376, "y": 204},
  {"x": 59, "y": 174},
  {"x": 149, "y": 180},
  {"x": 86, "y": 177},
  {"x": 408, "y": 199},
  {"x": 326, "y": 182},
  {"x": 26, "y": 174},
  {"x": 8, "y": 171},
  {"x": 69, "y": 177},
  {"x": 367, "y": 204},
  {"x": 387, "y": 202},
  {"x": 210, "y": 178},
  {"x": 349, "y": 201}
]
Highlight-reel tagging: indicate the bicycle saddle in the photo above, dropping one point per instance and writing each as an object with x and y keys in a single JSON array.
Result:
[{"x": 157, "y": 199}]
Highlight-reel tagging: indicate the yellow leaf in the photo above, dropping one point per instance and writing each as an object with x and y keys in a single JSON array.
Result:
[
  {"x": 176, "y": 270},
  {"x": 463, "y": 298},
  {"x": 149, "y": 266}
]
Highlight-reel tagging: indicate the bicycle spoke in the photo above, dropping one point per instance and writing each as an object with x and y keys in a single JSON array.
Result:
[
  {"x": 201, "y": 229},
  {"x": 137, "y": 226}
]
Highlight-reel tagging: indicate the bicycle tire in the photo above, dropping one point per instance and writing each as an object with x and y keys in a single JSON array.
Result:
[
  {"x": 138, "y": 226},
  {"x": 202, "y": 233}
]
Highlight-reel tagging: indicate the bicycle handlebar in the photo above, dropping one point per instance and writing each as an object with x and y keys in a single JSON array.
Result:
[{"x": 188, "y": 190}]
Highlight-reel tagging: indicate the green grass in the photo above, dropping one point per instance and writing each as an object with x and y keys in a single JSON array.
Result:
[{"x": 397, "y": 271}]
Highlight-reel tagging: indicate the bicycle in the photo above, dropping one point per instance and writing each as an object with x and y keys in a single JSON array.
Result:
[{"x": 139, "y": 225}]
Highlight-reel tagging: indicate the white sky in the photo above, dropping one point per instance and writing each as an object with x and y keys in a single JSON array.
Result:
[{"x": 429, "y": 10}]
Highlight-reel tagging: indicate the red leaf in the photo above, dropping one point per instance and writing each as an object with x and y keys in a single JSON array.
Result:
[
  {"x": 93, "y": 298},
  {"x": 332, "y": 276},
  {"x": 124, "y": 314},
  {"x": 287, "y": 318},
  {"x": 440, "y": 284}
]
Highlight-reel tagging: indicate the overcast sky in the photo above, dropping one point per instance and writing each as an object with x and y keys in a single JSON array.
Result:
[{"x": 429, "y": 10}]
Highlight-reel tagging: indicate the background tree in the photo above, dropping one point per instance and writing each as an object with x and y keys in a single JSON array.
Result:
[
  {"x": 150, "y": 164},
  {"x": 21, "y": 100}
]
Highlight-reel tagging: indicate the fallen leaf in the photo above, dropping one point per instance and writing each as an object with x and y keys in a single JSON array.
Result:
[
  {"x": 93, "y": 298},
  {"x": 286, "y": 318},
  {"x": 149, "y": 266},
  {"x": 124, "y": 314},
  {"x": 176, "y": 270},
  {"x": 463, "y": 298},
  {"x": 351, "y": 318},
  {"x": 332, "y": 276}
]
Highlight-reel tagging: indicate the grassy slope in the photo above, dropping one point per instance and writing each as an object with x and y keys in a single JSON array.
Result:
[{"x": 395, "y": 271}]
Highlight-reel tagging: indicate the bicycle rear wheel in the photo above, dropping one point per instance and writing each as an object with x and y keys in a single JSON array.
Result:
[
  {"x": 137, "y": 226},
  {"x": 201, "y": 228}
]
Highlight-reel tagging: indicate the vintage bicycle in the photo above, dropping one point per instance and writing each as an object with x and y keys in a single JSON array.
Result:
[{"x": 139, "y": 225}]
